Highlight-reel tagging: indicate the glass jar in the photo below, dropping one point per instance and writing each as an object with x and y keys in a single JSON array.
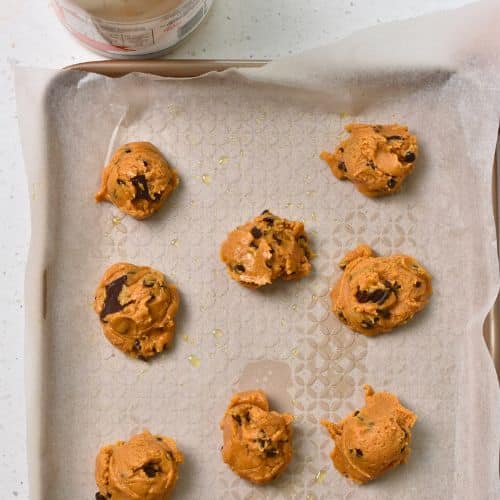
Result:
[{"x": 131, "y": 28}]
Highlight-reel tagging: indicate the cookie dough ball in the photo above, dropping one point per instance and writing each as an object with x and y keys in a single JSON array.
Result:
[
  {"x": 138, "y": 180},
  {"x": 374, "y": 439},
  {"x": 376, "y": 158},
  {"x": 376, "y": 294},
  {"x": 137, "y": 306},
  {"x": 143, "y": 468},
  {"x": 257, "y": 442},
  {"x": 265, "y": 249}
]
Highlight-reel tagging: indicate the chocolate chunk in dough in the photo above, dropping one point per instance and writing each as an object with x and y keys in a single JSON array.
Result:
[
  {"x": 141, "y": 188},
  {"x": 111, "y": 303}
]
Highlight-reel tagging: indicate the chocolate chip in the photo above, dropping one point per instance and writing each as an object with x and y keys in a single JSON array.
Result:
[
  {"x": 256, "y": 232},
  {"x": 391, "y": 286},
  {"x": 277, "y": 239},
  {"x": 410, "y": 156},
  {"x": 120, "y": 182},
  {"x": 356, "y": 413},
  {"x": 253, "y": 244},
  {"x": 341, "y": 166},
  {"x": 268, "y": 220},
  {"x": 377, "y": 128},
  {"x": 156, "y": 196},
  {"x": 394, "y": 138},
  {"x": 418, "y": 284},
  {"x": 142, "y": 358},
  {"x": 269, "y": 264},
  {"x": 151, "y": 469},
  {"x": 247, "y": 416},
  {"x": 359, "y": 453},
  {"x": 384, "y": 313},
  {"x": 137, "y": 345},
  {"x": 148, "y": 283},
  {"x": 391, "y": 183},
  {"x": 262, "y": 443},
  {"x": 239, "y": 268},
  {"x": 380, "y": 296},
  {"x": 376, "y": 295},
  {"x": 111, "y": 302},
  {"x": 271, "y": 452},
  {"x": 341, "y": 150},
  {"x": 371, "y": 164},
  {"x": 145, "y": 163},
  {"x": 341, "y": 316},
  {"x": 266, "y": 211},
  {"x": 237, "y": 418},
  {"x": 141, "y": 187},
  {"x": 128, "y": 150},
  {"x": 158, "y": 438},
  {"x": 403, "y": 449},
  {"x": 367, "y": 324},
  {"x": 362, "y": 296},
  {"x": 98, "y": 496}
]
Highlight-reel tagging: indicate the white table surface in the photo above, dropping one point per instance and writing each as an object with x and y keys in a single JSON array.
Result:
[{"x": 31, "y": 35}]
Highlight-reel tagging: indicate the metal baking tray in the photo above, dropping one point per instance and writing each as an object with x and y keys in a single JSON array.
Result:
[
  {"x": 188, "y": 68},
  {"x": 51, "y": 426}
]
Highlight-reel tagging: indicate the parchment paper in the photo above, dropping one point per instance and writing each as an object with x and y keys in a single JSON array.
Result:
[{"x": 242, "y": 142}]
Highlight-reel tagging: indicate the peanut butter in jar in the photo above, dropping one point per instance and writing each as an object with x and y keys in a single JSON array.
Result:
[{"x": 131, "y": 28}]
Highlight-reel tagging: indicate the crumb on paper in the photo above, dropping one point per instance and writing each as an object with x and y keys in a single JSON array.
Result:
[{"x": 223, "y": 160}]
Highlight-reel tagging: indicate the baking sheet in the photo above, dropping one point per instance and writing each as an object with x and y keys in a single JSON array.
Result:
[
  {"x": 242, "y": 142},
  {"x": 491, "y": 327}
]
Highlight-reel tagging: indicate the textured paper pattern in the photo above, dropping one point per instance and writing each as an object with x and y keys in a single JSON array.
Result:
[{"x": 242, "y": 143}]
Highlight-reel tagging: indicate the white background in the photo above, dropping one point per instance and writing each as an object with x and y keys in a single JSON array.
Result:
[{"x": 31, "y": 35}]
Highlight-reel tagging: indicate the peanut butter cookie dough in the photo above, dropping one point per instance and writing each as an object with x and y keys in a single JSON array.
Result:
[
  {"x": 257, "y": 442},
  {"x": 143, "y": 468},
  {"x": 138, "y": 180},
  {"x": 374, "y": 439},
  {"x": 376, "y": 294},
  {"x": 376, "y": 158},
  {"x": 265, "y": 249},
  {"x": 136, "y": 306}
]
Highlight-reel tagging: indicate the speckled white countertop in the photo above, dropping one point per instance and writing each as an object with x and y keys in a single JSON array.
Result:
[{"x": 31, "y": 35}]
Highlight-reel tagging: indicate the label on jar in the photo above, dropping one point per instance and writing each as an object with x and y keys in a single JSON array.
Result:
[{"x": 134, "y": 37}]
